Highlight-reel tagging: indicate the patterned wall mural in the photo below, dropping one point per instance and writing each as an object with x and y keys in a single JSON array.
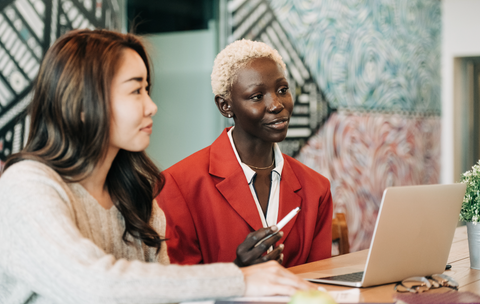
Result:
[
  {"x": 369, "y": 55},
  {"x": 362, "y": 154},
  {"x": 377, "y": 65},
  {"x": 27, "y": 29}
]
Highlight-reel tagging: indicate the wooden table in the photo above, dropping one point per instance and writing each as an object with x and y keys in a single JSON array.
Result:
[{"x": 469, "y": 279}]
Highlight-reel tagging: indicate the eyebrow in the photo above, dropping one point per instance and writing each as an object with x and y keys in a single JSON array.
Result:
[
  {"x": 138, "y": 79},
  {"x": 256, "y": 85},
  {"x": 261, "y": 83}
]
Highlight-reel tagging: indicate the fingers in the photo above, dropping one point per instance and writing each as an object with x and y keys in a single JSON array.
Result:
[
  {"x": 290, "y": 279},
  {"x": 272, "y": 279},
  {"x": 255, "y": 256},
  {"x": 251, "y": 250},
  {"x": 256, "y": 253},
  {"x": 270, "y": 241},
  {"x": 254, "y": 237},
  {"x": 274, "y": 255},
  {"x": 280, "y": 259}
]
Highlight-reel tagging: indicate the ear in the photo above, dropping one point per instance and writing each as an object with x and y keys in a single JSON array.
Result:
[{"x": 223, "y": 106}]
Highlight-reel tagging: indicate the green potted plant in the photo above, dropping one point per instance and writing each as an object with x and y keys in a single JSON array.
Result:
[{"x": 470, "y": 213}]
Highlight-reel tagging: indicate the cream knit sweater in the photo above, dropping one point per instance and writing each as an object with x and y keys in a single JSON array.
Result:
[{"x": 58, "y": 245}]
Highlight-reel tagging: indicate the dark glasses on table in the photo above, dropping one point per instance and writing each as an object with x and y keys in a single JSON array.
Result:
[{"x": 421, "y": 284}]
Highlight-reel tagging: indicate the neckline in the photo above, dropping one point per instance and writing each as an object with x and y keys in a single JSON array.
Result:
[{"x": 91, "y": 199}]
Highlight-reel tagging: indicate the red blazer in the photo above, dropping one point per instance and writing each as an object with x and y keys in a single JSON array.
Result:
[{"x": 210, "y": 210}]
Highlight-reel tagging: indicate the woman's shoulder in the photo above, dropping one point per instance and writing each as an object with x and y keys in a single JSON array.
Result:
[
  {"x": 32, "y": 184},
  {"x": 196, "y": 161},
  {"x": 28, "y": 177},
  {"x": 28, "y": 170}
]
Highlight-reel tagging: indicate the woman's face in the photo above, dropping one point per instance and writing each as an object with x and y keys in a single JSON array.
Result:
[
  {"x": 261, "y": 102},
  {"x": 132, "y": 107}
]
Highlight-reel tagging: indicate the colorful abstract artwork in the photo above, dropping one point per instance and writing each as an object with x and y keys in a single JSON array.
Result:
[
  {"x": 362, "y": 154},
  {"x": 369, "y": 55},
  {"x": 27, "y": 29}
]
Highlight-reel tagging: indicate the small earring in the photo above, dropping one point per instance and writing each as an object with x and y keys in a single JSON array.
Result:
[{"x": 229, "y": 115}]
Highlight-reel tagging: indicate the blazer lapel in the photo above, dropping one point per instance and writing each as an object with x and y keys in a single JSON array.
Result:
[
  {"x": 234, "y": 186},
  {"x": 289, "y": 199}
]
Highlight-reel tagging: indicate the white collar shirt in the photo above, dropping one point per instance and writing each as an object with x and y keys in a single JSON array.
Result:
[{"x": 275, "y": 177}]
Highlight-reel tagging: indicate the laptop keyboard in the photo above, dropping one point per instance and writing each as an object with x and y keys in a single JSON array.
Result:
[{"x": 349, "y": 277}]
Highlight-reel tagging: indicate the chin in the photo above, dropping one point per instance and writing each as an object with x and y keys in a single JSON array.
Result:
[
  {"x": 279, "y": 137},
  {"x": 137, "y": 148},
  {"x": 134, "y": 150}
]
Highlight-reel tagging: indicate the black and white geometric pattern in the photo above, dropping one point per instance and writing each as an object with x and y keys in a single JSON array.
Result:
[
  {"x": 255, "y": 20},
  {"x": 27, "y": 29}
]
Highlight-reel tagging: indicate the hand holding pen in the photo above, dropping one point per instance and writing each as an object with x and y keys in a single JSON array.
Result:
[
  {"x": 281, "y": 224},
  {"x": 258, "y": 242},
  {"x": 249, "y": 254}
]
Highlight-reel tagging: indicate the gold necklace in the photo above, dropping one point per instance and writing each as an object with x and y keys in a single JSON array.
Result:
[{"x": 262, "y": 168}]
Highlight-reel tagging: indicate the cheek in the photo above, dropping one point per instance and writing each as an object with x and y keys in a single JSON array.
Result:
[
  {"x": 120, "y": 112},
  {"x": 127, "y": 114},
  {"x": 115, "y": 128},
  {"x": 256, "y": 113},
  {"x": 115, "y": 123},
  {"x": 289, "y": 104},
  {"x": 121, "y": 124}
]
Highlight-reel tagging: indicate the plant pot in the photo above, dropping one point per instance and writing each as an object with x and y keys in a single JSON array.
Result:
[{"x": 473, "y": 232}]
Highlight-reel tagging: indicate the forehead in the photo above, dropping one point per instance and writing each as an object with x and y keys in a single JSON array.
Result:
[
  {"x": 264, "y": 69},
  {"x": 130, "y": 64}
]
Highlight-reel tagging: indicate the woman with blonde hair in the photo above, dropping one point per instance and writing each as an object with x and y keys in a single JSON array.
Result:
[
  {"x": 78, "y": 220},
  {"x": 220, "y": 201}
]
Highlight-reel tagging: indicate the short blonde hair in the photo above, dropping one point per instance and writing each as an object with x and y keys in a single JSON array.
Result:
[{"x": 235, "y": 56}]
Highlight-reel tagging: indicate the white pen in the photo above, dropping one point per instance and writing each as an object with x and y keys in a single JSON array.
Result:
[
  {"x": 281, "y": 224},
  {"x": 287, "y": 218}
]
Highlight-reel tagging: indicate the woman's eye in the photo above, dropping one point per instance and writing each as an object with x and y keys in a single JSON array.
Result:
[
  {"x": 257, "y": 97},
  {"x": 137, "y": 91},
  {"x": 283, "y": 90}
]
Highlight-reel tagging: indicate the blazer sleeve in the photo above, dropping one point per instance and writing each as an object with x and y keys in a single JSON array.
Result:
[
  {"x": 322, "y": 240},
  {"x": 181, "y": 235}
]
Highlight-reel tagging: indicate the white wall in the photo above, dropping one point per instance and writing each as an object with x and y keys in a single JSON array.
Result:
[
  {"x": 460, "y": 38},
  {"x": 187, "y": 119}
]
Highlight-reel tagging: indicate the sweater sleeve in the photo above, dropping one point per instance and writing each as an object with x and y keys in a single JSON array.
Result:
[{"x": 47, "y": 252}]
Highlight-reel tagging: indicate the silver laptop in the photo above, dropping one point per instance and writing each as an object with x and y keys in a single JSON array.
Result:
[{"x": 412, "y": 236}]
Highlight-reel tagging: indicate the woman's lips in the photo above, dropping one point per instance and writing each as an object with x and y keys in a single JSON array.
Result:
[
  {"x": 279, "y": 124},
  {"x": 147, "y": 129}
]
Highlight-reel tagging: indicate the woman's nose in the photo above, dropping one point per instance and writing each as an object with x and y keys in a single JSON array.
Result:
[
  {"x": 275, "y": 105},
  {"x": 150, "y": 107}
]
